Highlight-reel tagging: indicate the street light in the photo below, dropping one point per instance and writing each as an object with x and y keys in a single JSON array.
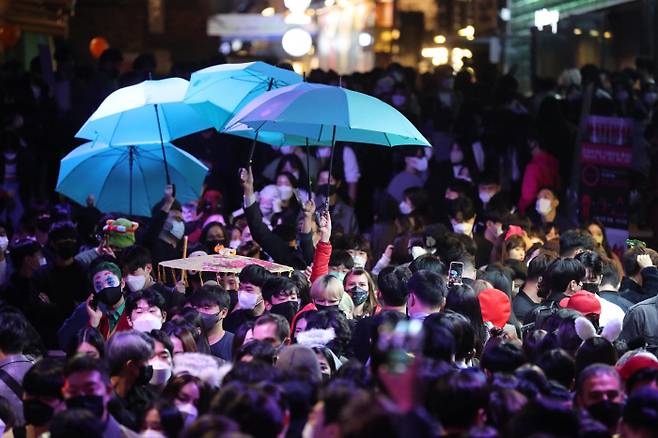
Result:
[
  {"x": 440, "y": 39},
  {"x": 297, "y": 42},
  {"x": 468, "y": 32}
]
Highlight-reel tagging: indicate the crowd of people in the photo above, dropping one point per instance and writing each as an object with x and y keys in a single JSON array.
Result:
[{"x": 446, "y": 291}]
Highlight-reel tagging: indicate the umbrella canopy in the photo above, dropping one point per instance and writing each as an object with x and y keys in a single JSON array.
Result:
[
  {"x": 141, "y": 113},
  {"x": 223, "y": 263},
  {"x": 220, "y": 91},
  {"x": 327, "y": 113},
  {"x": 128, "y": 179},
  {"x": 273, "y": 138}
]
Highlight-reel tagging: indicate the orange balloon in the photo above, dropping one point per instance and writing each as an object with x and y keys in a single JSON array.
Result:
[
  {"x": 97, "y": 46},
  {"x": 9, "y": 35}
]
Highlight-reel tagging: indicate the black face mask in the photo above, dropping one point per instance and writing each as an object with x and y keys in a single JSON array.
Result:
[
  {"x": 93, "y": 403},
  {"x": 66, "y": 250},
  {"x": 359, "y": 295},
  {"x": 591, "y": 287},
  {"x": 211, "y": 244},
  {"x": 606, "y": 412},
  {"x": 110, "y": 295},
  {"x": 209, "y": 321},
  {"x": 145, "y": 374},
  {"x": 36, "y": 412},
  {"x": 321, "y": 307},
  {"x": 322, "y": 189},
  {"x": 288, "y": 309}
]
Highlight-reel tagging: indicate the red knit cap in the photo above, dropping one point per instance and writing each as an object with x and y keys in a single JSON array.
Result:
[{"x": 496, "y": 307}]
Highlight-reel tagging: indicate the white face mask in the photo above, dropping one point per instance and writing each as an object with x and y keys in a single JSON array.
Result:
[
  {"x": 405, "y": 208},
  {"x": 147, "y": 322},
  {"x": 4, "y": 243},
  {"x": 150, "y": 433},
  {"x": 234, "y": 243},
  {"x": 246, "y": 300},
  {"x": 161, "y": 372},
  {"x": 417, "y": 251},
  {"x": 135, "y": 282},
  {"x": 285, "y": 192},
  {"x": 359, "y": 261},
  {"x": 189, "y": 409},
  {"x": 420, "y": 164},
  {"x": 43, "y": 261},
  {"x": 177, "y": 229},
  {"x": 485, "y": 197},
  {"x": 499, "y": 230},
  {"x": 287, "y": 150},
  {"x": 462, "y": 228},
  {"x": 456, "y": 156},
  {"x": 543, "y": 206}
]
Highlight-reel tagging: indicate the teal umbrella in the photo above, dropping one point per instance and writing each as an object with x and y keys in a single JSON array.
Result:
[
  {"x": 220, "y": 91},
  {"x": 128, "y": 179},
  {"x": 324, "y": 113},
  {"x": 148, "y": 112}
]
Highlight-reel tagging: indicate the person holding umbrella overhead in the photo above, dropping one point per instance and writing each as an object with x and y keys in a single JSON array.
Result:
[
  {"x": 281, "y": 250},
  {"x": 165, "y": 233},
  {"x": 342, "y": 215}
]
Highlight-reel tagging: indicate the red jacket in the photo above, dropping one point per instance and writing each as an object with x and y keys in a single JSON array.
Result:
[
  {"x": 321, "y": 260},
  {"x": 541, "y": 171}
]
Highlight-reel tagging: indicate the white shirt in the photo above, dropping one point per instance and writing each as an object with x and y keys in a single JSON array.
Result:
[{"x": 609, "y": 311}]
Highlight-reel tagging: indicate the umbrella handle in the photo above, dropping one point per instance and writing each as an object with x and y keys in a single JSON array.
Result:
[
  {"x": 253, "y": 148},
  {"x": 331, "y": 166}
]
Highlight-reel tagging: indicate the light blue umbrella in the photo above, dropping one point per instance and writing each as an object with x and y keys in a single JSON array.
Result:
[
  {"x": 220, "y": 91},
  {"x": 128, "y": 179},
  {"x": 325, "y": 113},
  {"x": 149, "y": 112}
]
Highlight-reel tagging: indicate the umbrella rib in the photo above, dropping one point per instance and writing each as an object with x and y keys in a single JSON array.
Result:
[
  {"x": 116, "y": 126},
  {"x": 72, "y": 172}
]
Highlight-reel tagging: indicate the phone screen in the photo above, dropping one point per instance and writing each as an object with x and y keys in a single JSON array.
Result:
[{"x": 455, "y": 272}]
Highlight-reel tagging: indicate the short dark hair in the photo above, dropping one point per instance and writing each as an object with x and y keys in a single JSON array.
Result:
[
  {"x": 243, "y": 404},
  {"x": 392, "y": 282},
  {"x": 210, "y": 294},
  {"x": 81, "y": 363},
  {"x": 439, "y": 343},
  {"x": 135, "y": 257},
  {"x": 281, "y": 323},
  {"x": 254, "y": 274},
  {"x": 429, "y": 287},
  {"x": 150, "y": 295},
  {"x": 559, "y": 274},
  {"x": 427, "y": 262},
  {"x": 610, "y": 273},
  {"x": 502, "y": 358},
  {"x": 463, "y": 205},
  {"x": 76, "y": 422},
  {"x": 62, "y": 230},
  {"x": 341, "y": 257},
  {"x": 576, "y": 239},
  {"x": 14, "y": 329},
  {"x": 457, "y": 398},
  {"x": 558, "y": 365},
  {"x": 538, "y": 265},
  {"x": 629, "y": 259},
  {"x": 591, "y": 260},
  {"x": 259, "y": 351},
  {"x": 595, "y": 350},
  {"x": 21, "y": 249},
  {"x": 278, "y": 286},
  {"x": 162, "y": 337},
  {"x": 45, "y": 378}
]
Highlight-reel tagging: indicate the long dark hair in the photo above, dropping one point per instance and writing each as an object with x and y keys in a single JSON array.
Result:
[{"x": 463, "y": 300}]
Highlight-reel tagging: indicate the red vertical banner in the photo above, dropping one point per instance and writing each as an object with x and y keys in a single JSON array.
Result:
[{"x": 606, "y": 155}]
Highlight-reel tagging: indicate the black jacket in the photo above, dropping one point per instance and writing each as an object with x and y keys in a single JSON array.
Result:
[
  {"x": 273, "y": 245},
  {"x": 635, "y": 293}
]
